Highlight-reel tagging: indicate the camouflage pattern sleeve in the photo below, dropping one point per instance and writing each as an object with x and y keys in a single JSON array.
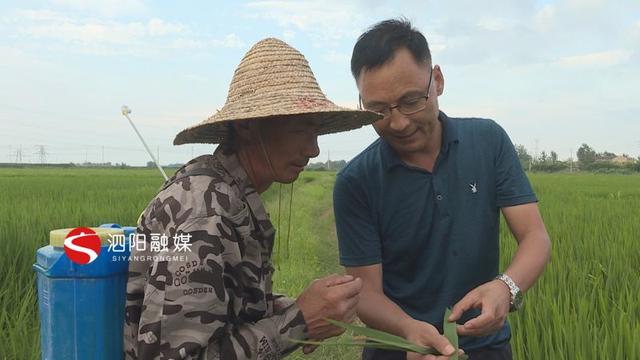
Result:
[
  {"x": 232, "y": 322},
  {"x": 215, "y": 301},
  {"x": 208, "y": 306}
]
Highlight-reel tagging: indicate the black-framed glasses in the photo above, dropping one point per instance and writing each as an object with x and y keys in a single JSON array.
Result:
[{"x": 408, "y": 106}]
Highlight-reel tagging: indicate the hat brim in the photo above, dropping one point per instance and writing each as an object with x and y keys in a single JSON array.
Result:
[{"x": 215, "y": 131}]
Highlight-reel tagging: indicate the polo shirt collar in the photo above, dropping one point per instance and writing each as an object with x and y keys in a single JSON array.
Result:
[
  {"x": 449, "y": 132},
  {"x": 449, "y": 136}
]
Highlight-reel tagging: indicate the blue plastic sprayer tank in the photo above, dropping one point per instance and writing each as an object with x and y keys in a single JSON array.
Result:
[{"x": 82, "y": 306}]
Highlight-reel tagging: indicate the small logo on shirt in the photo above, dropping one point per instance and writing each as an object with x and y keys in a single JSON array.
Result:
[{"x": 474, "y": 188}]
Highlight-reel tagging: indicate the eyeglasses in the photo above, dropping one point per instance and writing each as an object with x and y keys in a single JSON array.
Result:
[{"x": 406, "y": 106}]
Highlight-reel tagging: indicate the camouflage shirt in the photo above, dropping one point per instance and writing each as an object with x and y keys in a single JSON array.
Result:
[{"x": 216, "y": 302}]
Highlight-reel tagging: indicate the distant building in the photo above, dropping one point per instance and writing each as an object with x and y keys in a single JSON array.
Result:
[{"x": 622, "y": 160}]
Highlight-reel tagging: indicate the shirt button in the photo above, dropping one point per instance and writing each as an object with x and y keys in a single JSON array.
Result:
[{"x": 439, "y": 197}]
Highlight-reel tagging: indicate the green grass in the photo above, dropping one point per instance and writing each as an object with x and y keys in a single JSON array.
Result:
[
  {"x": 584, "y": 307},
  {"x": 35, "y": 201},
  {"x": 313, "y": 246}
]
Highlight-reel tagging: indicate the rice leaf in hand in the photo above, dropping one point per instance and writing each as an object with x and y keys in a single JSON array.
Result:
[
  {"x": 450, "y": 332},
  {"x": 359, "y": 343},
  {"x": 376, "y": 339},
  {"x": 365, "y": 331},
  {"x": 384, "y": 338}
]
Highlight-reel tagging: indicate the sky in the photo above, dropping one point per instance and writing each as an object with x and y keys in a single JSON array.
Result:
[{"x": 554, "y": 74}]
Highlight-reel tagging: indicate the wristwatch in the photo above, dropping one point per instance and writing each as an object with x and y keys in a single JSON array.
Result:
[{"x": 516, "y": 293}]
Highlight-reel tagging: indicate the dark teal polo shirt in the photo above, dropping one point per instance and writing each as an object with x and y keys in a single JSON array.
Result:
[{"x": 435, "y": 234}]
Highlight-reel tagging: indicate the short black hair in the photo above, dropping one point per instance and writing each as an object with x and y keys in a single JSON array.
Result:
[{"x": 377, "y": 45}]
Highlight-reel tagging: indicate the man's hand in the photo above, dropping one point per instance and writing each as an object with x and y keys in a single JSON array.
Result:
[
  {"x": 422, "y": 333},
  {"x": 334, "y": 297},
  {"x": 494, "y": 299}
]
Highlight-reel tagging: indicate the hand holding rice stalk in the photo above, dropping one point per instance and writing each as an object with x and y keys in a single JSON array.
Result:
[{"x": 376, "y": 339}]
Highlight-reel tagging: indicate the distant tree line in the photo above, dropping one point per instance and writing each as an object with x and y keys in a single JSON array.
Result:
[
  {"x": 327, "y": 165},
  {"x": 587, "y": 159}
]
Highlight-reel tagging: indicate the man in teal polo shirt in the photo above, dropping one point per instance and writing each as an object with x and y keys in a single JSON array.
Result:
[{"x": 418, "y": 211}]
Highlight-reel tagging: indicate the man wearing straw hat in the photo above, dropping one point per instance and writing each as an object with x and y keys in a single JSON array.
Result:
[
  {"x": 418, "y": 211},
  {"x": 218, "y": 303}
]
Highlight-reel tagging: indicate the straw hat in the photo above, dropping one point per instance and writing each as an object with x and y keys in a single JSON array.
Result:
[{"x": 274, "y": 79}]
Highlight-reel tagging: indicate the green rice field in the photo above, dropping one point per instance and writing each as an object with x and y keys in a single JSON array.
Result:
[{"x": 585, "y": 306}]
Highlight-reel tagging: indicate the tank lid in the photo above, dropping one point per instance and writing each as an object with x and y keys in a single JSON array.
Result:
[{"x": 56, "y": 237}]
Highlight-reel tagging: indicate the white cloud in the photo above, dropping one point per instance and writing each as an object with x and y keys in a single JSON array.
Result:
[
  {"x": 591, "y": 5},
  {"x": 109, "y": 8},
  {"x": 337, "y": 58},
  {"x": 634, "y": 31},
  {"x": 604, "y": 58},
  {"x": 99, "y": 36},
  {"x": 187, "y": 43},
  {"x": 195, "y": 77},
  {"x": 326, "y": 21},
  {"x": 288, "y": 35},
  {"x": 12, "y": 56},
  {"x": 92, "y": 32},
  {"x": 158, "y": 27},
  {"x": 46, "y": 24},
  {"x": 492, "y": 23},
  {"x": 229, "y": 41},
  {"x": 37, "y": 15},
  {"x": 544, "y": 19}
]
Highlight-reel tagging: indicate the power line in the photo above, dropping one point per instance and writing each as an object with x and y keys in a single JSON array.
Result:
[
  {"x": 42, "y": 153},
  {"x": 571, "y": 160},
  {"x": 88, "y": 153},
  {"x": 19, "y": 155}
]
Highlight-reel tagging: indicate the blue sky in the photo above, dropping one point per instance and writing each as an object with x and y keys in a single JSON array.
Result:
[{"x": 554, "y": 74}]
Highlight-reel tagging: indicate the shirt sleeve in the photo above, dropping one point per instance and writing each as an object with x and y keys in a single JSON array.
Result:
[
  {"x": 188, "y": 312},
  {"x": 358, "y": 237},
  {"x": 512, "y": 186}
]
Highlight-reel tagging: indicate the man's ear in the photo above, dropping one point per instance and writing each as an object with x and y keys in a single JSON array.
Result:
[{"x": 439, "y": 78}]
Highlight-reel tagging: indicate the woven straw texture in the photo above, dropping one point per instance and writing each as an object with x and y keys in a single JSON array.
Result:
[{"x": 273, "y": 80}]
